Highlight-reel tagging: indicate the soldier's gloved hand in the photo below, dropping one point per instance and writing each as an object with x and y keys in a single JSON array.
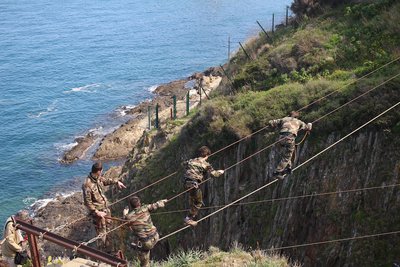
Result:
[
  {"x": 126, "y": 211},
  {"x": 161, "y": 203},
  {"x": 101, "y": 214},
  {"x": 195, "y": 185},
  {"x": 121, "y": 185},
  {"x": 220, "y": 172},
  {"x": 309, "y": 126}
]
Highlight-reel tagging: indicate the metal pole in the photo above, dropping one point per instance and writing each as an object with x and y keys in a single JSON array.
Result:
[
  {"x": 70, "y": 244},
  {"x": 187, "y": 104},
  {"x": 204, "y": 91},
  {"x": 264, "y": 31},
  {"x": 200, "y": 94},
  {"x": 245, "y": 51},
  {"x": 174, "y": 99},
  {"x": 287, "y": 15},
  {"x": 227, "y": 76},
  {"x": 149, "y": 116},
  {"x": 34, "y": 250},
  {"x": 157, "y": 116},
  {"x": 273, "y": 23}
]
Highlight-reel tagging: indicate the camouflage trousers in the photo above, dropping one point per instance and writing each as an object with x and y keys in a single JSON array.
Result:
[
  {"x": 102, "y": 225},
  {"x": 195, "y": 199},
  {"x": 144, "y": 251},
  {"x": 286, "y": 149}
]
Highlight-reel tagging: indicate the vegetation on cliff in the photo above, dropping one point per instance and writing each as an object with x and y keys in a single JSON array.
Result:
[{"x": 305, "y": 61}]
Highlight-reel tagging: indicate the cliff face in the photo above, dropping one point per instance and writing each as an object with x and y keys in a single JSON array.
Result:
[{"x": 367, "y": 159}]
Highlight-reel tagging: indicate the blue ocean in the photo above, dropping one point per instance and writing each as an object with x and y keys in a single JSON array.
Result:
[{"x": 67, "y": 67}]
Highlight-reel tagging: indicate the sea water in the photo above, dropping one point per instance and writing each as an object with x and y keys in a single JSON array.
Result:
[{"x": 66, "y": 67}]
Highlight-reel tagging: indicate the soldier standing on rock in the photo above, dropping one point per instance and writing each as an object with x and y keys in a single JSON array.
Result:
[
  {"x": 142, "y": 227},
  {"x": 196, "y": 170},
  {"x": 96, "y": 201},
  {"x": 289, "y": 127}
]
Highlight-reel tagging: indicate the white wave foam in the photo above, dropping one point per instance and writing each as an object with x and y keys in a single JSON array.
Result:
[
  {"x": 65, "y": 147},
  {"x": 29, "y": 200},
  {"x": 41, "y": 203},
  {"x": 51, "y": 108},
  {"x": 90, "y": 88},
  {"x": 98, "y": 131},
  {"x": 151, "y": 89},
  {"x": 123, "y": 110}
]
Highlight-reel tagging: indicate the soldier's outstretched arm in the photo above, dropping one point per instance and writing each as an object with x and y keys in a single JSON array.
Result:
[
  {"x": 217, "y": 173},
  {"x": 274, "y": 123},
  {"x": 159, "y": 204}
]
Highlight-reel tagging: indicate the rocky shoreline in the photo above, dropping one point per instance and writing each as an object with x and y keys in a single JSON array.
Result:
[
  {"x": 119, "y": 143},
  {"x": 116, "y": 145}
]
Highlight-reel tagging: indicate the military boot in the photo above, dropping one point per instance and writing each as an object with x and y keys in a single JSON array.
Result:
[
  {"x": 189, "y": 221},
  {"x": 279, "y": 175}
]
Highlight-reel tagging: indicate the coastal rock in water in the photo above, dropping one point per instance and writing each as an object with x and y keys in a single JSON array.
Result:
[{"x": 78, "y": 151}]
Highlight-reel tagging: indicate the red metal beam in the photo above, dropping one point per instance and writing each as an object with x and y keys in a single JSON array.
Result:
[{"x": 70, "y": 244}]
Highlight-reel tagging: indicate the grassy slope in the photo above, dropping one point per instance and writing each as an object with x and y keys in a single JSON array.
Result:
[
  {"x": 303, "y": 63},
  {"x": 235, "y": 257}
]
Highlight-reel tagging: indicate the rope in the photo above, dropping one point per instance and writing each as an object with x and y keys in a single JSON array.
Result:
[
  {"x": 237, "y": 163},
  {"x": 294, "y": 156},
  {"x": 362, "y": 77},
  {"x": 268, "y": 146},
  {"x": 270, "y": 183},
  {"x": 265, "y": 127},
  {"x": 58, "y": 228},
  {"x": 238, "y": 141},
  {"x": 285, "y": 198},
  {"x": 187, "y": 190},
  {"x": 327, "y": 114},
  {"x": 303, "y": 139},
  {"x": 104, "y": 234},
  {"x": 346, "y": 136},
  {"x": 335, "y": 240},
  {"x": 224, "y": 207},
  {"x": 150, "y": 185}
]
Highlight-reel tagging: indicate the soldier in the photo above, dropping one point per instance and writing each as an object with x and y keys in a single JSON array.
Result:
[
  {"x": 96, "y": 201},
  {"x": 13, "y": 240},
  {"x": 142, "y": 227},
  {"x": 289, "y": 126},
  {"x": 196, "y": 170}
]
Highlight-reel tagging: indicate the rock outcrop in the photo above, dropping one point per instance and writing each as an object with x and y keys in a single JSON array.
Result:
[{"x": 118, "y": 144}]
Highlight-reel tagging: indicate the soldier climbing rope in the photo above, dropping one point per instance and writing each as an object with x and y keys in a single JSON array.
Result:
[
  {"x": 272, "y": 182},
  {"x": 294, "y": 169},
  {"x": 248, "y": 136},
  {"x": 96, "y": 238}
]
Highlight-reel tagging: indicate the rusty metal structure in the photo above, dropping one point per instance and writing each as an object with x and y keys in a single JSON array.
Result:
[{"x": 33, "y": 232}]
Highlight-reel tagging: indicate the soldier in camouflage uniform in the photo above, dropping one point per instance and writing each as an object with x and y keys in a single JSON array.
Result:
[
  {"x": 96, "y": 201},
  {"x": 142, "y": 227},
  {"x": 196, "y": 170},
  {"x": 289, "y": 127}
]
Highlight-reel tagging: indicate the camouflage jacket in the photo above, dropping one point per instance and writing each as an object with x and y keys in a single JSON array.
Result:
[
  {"x": 289, "y": 125},
  {"x": 198, "y": 169},
  {"x": 141, "y": 223},
  {"x": 93, "y": 192}
]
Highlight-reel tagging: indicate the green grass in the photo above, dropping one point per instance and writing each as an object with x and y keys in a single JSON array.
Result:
[
  {"x": 235, "y": 257},
  {"x": 301, "y": 65}
]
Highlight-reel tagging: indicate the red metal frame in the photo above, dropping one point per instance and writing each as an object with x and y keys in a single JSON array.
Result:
[{"x": 34, "y": 231}]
